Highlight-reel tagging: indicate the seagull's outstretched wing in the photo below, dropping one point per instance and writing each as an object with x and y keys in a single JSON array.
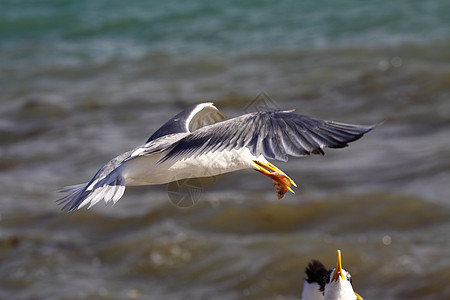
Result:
[
  {"x": 276, "y": 135},
  {"x": 190, "y": 119},
  {"x": 108, "y": 184}
]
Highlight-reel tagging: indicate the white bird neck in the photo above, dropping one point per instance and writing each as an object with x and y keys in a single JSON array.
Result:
[
  {"x": 339, "y": 290},
  {"x": 311, "y": 291}
]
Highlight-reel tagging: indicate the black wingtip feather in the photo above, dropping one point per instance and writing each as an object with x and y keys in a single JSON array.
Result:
[{"x": 315, "y": 272}]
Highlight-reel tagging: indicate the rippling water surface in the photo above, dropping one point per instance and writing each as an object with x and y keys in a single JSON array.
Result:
[{"x": 83, "y": 81}]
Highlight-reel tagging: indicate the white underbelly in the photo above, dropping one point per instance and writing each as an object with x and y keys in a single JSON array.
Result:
[{"x": 143, "y": 171}]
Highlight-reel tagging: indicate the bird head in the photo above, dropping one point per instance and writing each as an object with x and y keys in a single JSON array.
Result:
[{"x": 340, "y": 282}]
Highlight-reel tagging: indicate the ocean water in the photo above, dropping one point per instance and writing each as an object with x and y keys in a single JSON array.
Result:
[{"x": 83, "y": 81}]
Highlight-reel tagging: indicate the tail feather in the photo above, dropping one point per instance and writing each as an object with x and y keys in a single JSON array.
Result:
[
  {"x": 76, "y": 193},
  {"x": 118, "y": 194},
  {"x": 95, "y": 197},
  {"x": 109, "y": 189}
]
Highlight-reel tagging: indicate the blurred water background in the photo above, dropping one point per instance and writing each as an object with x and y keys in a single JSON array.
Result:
[{"x": 83, "y": 81}]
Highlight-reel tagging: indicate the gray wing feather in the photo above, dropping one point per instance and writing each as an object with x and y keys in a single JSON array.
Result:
[
  {"x": 276, "y": 135},
  {"x": 189, "y": 120}
]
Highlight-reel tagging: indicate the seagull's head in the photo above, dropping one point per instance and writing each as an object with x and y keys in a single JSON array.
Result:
[{"x": 338, "y": 283}]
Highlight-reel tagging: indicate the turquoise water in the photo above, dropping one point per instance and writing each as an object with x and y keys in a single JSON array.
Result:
[
  {"x": 80, "y": 33},
  {"x": 83, "y": 81}
]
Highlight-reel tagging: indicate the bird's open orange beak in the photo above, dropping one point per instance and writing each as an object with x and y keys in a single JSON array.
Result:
[
  {"x": 338, "y": 272},
  {"x": 281, "y": 182}
]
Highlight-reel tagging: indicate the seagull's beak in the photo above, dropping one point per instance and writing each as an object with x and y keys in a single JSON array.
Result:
[
  {"x": 338, "y": 271},
  {"x": 281, "y": 182}
]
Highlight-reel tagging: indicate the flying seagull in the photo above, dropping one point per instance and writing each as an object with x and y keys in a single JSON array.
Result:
[
  {"x": 323, "y": 284},
  {"x": 200, "y": 142}
]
